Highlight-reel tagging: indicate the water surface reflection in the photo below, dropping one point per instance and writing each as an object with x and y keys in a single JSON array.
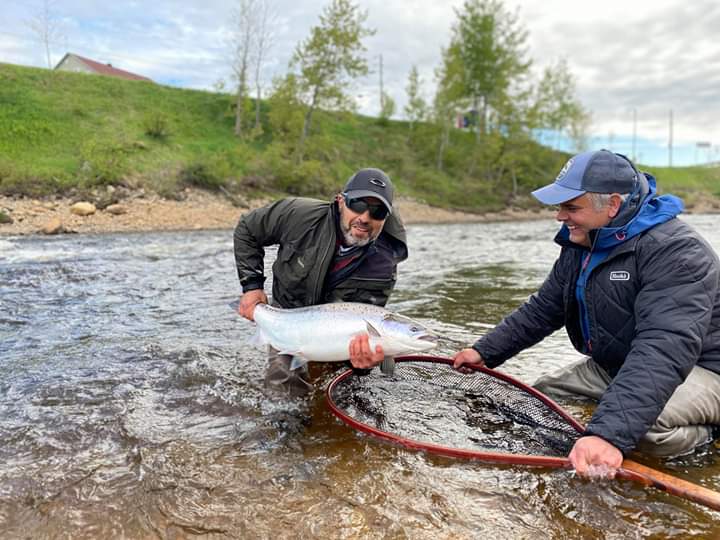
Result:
[{"x": 131, "y": 406}]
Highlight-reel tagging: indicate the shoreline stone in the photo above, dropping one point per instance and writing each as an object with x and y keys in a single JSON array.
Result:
[
  {"x": 204, "y": 210},
  {"x": 83, "y": 208}
]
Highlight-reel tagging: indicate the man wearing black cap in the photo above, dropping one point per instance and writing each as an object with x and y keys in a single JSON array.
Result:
[
  {"x": 638, "y": 292},
  {"x": 346, "y": 250}
]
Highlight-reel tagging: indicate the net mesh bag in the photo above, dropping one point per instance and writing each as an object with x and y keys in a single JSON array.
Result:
[
  {"x": 429, "y": 404},
  {"x": 484, "y": 415}
]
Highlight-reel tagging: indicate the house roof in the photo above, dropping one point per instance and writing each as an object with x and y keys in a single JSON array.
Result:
[{"x": 105, "y": 69}]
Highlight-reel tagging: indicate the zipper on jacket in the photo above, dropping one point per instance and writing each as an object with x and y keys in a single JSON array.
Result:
[
  {"x": 582, "y": 305},
  {"x": 589, "y": 339},
  {"x": 586, "y": 261}
]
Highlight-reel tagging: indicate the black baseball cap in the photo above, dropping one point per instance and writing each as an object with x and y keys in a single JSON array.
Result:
[
  {"x": 600, "y": 171},
  {"x": 370, "y": 183}
]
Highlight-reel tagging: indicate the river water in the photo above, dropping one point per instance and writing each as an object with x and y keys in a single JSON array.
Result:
[{"x": 131, "y": 405}]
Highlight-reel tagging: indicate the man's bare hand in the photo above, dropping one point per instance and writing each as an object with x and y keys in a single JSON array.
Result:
[
  {"x": 594, "y": 457},
  {"x": 467, "y": 357},
  {"x": 249, "y": 300},
  {"x": 361, "y": 356}
]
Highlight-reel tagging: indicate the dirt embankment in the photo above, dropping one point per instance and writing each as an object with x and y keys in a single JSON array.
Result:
[{"x": 139, "y": 211}]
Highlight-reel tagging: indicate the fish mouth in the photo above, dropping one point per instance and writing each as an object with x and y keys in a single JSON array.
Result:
[{"x": 428, "y": 341}]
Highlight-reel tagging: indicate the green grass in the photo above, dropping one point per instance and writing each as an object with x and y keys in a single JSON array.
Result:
[
  {"x": 61, "y": 131},
  {"x": 687, "y": 179},
  {"x": 65, "y": 129}
]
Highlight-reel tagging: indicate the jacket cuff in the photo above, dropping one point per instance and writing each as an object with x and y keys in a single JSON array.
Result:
[
  {"x": 490, "y": 363},
  {"x": 623, "y": 449},
  {"x": 252, "y": 284}
]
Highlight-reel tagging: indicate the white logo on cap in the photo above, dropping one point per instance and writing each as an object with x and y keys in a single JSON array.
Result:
[
  {"x": 377, "y": 182},
  {"x": 564, "y": 170}
]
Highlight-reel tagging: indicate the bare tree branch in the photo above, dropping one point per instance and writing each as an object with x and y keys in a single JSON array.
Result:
[
  {"x": 264, "y": 40},
  {"x": 243, "y": 32},
  {"x": 47, "y": 27}
]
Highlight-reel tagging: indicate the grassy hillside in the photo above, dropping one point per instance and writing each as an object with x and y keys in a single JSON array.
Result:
[
  {"x": 692, "y": 184},
  {"x": 65, "y": 131},
  {"x": 59, "y": 130}
]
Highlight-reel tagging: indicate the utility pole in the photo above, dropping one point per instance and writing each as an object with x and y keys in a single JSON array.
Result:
[
  {"x": 670, "y": 140},
  {"x": 634, "y": 134}
]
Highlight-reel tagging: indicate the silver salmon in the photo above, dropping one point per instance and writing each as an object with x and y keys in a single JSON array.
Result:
[{"x": 323, "y": 333}]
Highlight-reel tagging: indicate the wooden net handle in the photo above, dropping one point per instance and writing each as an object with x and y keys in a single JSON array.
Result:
[{"x": 648, "y": 476}]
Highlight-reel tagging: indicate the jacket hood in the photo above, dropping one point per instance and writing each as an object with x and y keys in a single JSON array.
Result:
[{"x": 653, "y": 210}]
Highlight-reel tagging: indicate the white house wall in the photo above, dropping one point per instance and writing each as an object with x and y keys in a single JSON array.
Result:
[{"x": 71, "y": 63}]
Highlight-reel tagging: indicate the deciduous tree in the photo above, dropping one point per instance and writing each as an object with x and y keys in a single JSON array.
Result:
[
  {"x": 329, "y": 59},
  {"x": 485, "y": 70},
  {"x": 387, "y": 109},
  {"x": 489, "y": 42},
  {"x": 448, "y": 98},
  {"x": 264, "y": 40},
  {"x": 555, "y": 106},
  {"x": 415, "y": 108},
  {"x": 243, "y": 32},
  {"x": 47, "y": 27}
]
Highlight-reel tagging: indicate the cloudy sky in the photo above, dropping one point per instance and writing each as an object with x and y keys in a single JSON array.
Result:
[{"x": 637, "y": 63}]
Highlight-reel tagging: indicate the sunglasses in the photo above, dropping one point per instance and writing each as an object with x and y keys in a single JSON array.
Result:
[{"x": 377, "y": 211}]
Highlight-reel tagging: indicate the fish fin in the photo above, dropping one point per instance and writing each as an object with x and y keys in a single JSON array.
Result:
[
  {"x": 388, "y": 366},
  {"x": 371, "y": 329},
  {"x": 259, "y": 339},
  {"x": 297, "y": 362}
]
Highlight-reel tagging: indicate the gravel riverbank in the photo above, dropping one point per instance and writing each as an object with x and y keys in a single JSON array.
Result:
[{"x": 198, "y": 210}]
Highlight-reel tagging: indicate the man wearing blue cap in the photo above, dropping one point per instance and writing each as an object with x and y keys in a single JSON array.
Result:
[{"x": 638, "y": 292}]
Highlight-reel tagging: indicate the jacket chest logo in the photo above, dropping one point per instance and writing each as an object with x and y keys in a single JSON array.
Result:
[{"x": 620, "y": 275}]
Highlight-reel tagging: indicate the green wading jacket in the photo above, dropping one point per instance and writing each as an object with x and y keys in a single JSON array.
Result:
[{"x": 305, "y": 232}]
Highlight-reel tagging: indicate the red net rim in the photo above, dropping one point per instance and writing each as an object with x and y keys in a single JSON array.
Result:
[
  {"x": 630, "y": 469},
  {"x": 522, "y": 459}
]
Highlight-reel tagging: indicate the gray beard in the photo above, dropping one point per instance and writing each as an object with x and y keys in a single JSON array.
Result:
[{"x": 350, "y": 240}]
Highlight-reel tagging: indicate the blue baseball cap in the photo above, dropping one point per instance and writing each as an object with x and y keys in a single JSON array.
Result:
[{"x": 600, "y": 171}]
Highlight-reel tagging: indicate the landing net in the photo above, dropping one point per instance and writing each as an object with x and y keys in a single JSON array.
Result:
[{"x": 483, "y": 415}]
